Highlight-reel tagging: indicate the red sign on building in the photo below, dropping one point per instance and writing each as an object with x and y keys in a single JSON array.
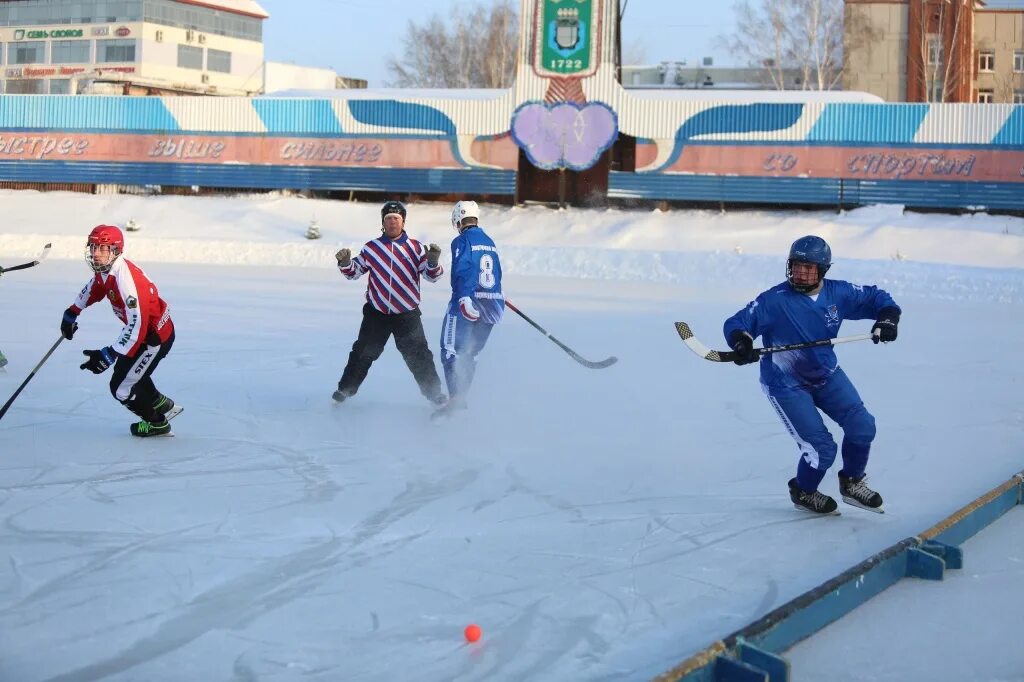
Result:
[{"x": 123, "y": 31}]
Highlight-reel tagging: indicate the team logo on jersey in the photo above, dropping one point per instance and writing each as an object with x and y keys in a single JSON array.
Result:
[
  {"x": 112, "y": 295},
  {"x": 832, "y": 316},
  {"x": 132, "y": 302}
]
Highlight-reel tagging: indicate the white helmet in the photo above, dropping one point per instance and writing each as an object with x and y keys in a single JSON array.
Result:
[{"x": 464, "y": 209}]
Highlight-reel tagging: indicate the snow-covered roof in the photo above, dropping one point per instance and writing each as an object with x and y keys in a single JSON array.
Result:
[
  {"x": 774, "y": 96},
  {"x": 249, "y": 8},
  {"x": 395, "y": 93},
  {"x": 649, "y": 92}
]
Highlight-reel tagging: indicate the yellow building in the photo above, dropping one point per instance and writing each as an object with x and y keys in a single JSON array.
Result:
[{"x": 936, "y": 50}]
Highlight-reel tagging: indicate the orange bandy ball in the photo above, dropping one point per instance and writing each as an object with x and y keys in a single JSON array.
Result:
[{"x": 472, "y": 632}]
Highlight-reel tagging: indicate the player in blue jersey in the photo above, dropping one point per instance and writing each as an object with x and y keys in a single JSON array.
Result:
[
  {"x": 799, "y": 383},
  {"x": 477, "y": 303}
]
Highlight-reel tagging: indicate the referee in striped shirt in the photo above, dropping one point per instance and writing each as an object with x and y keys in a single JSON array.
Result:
[{"x": 395, "y": 263}]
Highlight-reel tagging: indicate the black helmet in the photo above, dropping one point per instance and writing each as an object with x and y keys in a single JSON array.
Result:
[{"x": 392, "y": 207}]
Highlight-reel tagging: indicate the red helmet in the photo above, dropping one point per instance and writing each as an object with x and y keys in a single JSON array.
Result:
[
  {"x": 107, "y": 234},
  {"x": 104, "y": 235}
]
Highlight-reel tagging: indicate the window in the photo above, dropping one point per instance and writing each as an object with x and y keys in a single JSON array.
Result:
[
  {"x": 1018, "y": 96},
  {"x": 60, "y": 86},
  {"x": 26, "y": 86},
  {"x": 985, "y": 97},
  {"x": 934, "y": 50},
  {"x": 49, "y": 12},
  {"x": 115, "y": 51},
  {"x": 218, "y": 60},
  {"x": 190, "y": 57},
  {"x": 203, "y": 19},
  {"x": 28, "y": 53},
  {"x": 1018, "y": 61},
  {"x": 986, "y": 60},
  {"x": 70, "y": 52}
]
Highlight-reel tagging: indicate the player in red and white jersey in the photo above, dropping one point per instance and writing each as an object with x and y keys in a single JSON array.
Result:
[
  {"x": 395, "y": 262},
  {"x": 145, "y": 339}
]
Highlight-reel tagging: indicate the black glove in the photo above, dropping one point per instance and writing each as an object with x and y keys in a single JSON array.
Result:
[
  {"x": 885, "y": 328},
  {"x": 99, "y": 360},
  {"x": 69, "y": 324},
  {"x": 743, "y": 345},
  {"x": 344, "y": 257},
  {"x": 433, "y": 255}
]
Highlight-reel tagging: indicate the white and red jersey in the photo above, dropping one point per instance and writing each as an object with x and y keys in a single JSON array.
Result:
[
  {"x": 135, "y": 301},
  {"x": 395, "y": 266}
]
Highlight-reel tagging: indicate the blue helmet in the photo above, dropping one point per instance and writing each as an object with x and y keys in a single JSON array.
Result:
[{"x": 809, "y": 249}]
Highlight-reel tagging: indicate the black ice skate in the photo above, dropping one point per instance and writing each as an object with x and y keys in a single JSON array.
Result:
[
  {"x": 167, "y": 408},
  {"x": 816, "y": 502},
  {"x": 341, "y": 396},
  {"x": 855, "y": 492},
  {"x": 145, "y": 429}
]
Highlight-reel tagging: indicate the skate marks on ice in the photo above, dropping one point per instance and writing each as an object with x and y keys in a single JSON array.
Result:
[{"x": 243, "y": 599}]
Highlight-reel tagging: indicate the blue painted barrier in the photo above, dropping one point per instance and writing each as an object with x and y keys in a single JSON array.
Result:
[{"x": 753, "y": 653}]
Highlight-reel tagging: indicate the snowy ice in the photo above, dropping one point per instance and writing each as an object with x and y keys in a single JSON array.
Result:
[{"x": 597, "y": 524}]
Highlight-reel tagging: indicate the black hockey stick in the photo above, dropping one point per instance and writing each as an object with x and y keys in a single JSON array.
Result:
[
  {"x": 7, "y": 405},
  {"x": 728, "y": 356},
  {"x": 42, "y": 254},
  {"x": 607, "y": 362}
]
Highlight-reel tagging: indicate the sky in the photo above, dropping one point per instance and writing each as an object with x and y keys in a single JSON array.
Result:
[
  {"x": 598, "y": 525},
  {"x": 356, "y": 37}
]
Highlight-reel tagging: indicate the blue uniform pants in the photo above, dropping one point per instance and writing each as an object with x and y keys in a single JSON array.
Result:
[
  {"x": 798, "y": 409},
  {"x": 461, "y": 342}
]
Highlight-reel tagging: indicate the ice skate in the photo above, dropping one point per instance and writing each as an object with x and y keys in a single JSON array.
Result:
[
  {"x": 816, "y": 502},
  {"x": 857, "y": 493},
  {"x": 145, "y": 429}
]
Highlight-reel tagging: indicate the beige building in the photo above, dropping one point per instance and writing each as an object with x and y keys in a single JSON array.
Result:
[
  {"x": 936, "y": 50},
  {"x": 160, "y": 46}
]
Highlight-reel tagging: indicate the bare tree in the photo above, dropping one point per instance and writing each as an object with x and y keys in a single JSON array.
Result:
[
  {"x": 1007, "y": 84},
  {"x": 781, "y": 36},
  {"x": 472, "y": 47},
  {"x": 937, "y": 60}
]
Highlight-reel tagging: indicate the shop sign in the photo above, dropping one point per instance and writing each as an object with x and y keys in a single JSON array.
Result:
[
  {"x": 123, "y": 31},
  {"x": 59, "y": 33}
]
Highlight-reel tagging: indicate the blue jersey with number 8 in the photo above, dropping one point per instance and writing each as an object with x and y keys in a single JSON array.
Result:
[{"x": 476, "y": 272}]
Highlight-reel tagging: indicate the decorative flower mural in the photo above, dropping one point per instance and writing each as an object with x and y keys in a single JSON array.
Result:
[{"x": 564, "y": 135}]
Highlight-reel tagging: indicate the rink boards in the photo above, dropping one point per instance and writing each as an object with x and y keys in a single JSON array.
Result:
[{"x": 755, "y": 651}]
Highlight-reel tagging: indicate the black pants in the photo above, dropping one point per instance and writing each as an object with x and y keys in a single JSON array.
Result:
[
  {"x": 374, "y": 333},
  {"x": 132, "y": 383}
]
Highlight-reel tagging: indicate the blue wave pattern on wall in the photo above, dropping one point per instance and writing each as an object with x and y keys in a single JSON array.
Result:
[
  {"x": 298, "y": 116},
  {"x": 868, "y": 123},
  {"x": 55, "y": 112},
  {"x": 740, "y": 118},
  {"x": 735, "y": 118},
  {"x": 390, "y": 113},
  {"x": 1012, "y": 131}
]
